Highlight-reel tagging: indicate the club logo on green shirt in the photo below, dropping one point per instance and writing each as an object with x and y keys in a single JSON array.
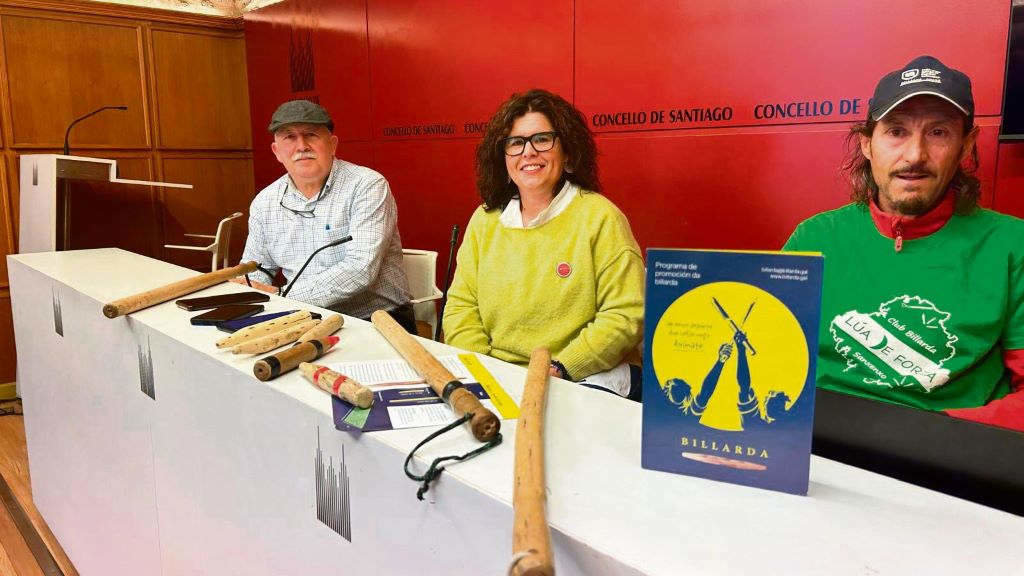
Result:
[{"x": 903, "y": 344}]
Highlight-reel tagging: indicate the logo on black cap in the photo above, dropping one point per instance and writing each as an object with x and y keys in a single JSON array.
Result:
[
  {"x": 915, "y": 75},
  {"x": 924, "y": 75}
]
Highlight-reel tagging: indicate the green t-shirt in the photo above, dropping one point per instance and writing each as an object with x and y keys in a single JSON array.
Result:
[{"x": 925, "y": 326}]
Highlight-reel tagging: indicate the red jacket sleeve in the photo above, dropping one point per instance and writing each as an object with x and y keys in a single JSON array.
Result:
[{"x": 1008, "y": 411}]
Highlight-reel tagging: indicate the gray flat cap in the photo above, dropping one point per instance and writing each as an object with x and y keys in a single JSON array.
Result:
[{"x": 300, "y": 112}]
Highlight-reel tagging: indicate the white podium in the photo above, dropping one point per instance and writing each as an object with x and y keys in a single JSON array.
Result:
[
  {"x": 44, "y": 218},
  {"x": 153, "y": 453}
]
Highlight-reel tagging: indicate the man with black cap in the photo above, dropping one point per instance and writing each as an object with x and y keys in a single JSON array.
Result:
[
  {"x": 924, "y": 291},
  {"x": 319, "y": 200}
]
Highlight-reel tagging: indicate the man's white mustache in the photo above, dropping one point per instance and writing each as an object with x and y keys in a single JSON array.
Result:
[{"x": 303, "y": 155}]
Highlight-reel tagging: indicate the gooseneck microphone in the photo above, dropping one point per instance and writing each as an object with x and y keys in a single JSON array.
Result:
[
  {"x": 310, "y": 259},
  {"x": 447, "y": 280},
  {"x": 67, "y": 149}
]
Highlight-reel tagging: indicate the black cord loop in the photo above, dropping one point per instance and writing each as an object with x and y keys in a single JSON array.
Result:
[{"x": 435, "y": 469}]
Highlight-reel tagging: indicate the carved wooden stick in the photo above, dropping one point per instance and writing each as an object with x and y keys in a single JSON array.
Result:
[
  {"x": 328, "y": 326},
  {"x": 265, "y": 328},
  {"x": 337, "y": 384},
  {"x": 485, "y": 424},
  {"x": 530, "y": 537},
  {"x": 287, "y": 360},
  {"x": 170, "y": 291},
  {"x": 267, "y": 343}
]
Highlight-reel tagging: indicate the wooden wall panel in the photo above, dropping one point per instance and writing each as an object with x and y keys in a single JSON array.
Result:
[
  {"x": 7, "y": 354},
  {"x": 10, "y": 168},
  {"x": 201, "y": 90},
  {"x": 59, "y": 70},
  {"x": 8, "y": 233},
  {"x": 222, "y": 186},
  {"x": 6, "y": 229},
  {"x": 128, "y": 217},
  {"x": 182, "y": 76}
]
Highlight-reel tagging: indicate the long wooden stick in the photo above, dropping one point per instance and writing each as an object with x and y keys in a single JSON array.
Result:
[
  {"x": 531, "y": 541},
  {"x": 484, "y": 423},
  {"x": 137, "y": 302}
]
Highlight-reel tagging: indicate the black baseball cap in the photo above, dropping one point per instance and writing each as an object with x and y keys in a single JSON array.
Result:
[
  {"x": 300, "y": 112},
  {"x": 924, "y": 75}
]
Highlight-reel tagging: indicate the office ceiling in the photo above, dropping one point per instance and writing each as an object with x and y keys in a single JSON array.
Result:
[{"x": 226, "y": 8}]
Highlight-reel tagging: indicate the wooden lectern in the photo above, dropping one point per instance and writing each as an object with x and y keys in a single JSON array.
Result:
[{"x": 52, "y": 183}]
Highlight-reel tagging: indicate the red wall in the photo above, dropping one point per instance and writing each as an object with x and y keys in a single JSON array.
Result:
[{"x": 408, "y": 83}]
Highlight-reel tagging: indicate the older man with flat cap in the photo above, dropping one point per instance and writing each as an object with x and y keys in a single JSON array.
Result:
[
  {"x": 319, "y": 200},
  {"x": 924, "y": 290}
]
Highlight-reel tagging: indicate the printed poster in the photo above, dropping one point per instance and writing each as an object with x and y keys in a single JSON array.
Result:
[{"x": 729, "y": 365}]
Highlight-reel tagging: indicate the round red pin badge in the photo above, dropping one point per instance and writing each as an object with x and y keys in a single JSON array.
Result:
[{"x": 563, "y": 270}]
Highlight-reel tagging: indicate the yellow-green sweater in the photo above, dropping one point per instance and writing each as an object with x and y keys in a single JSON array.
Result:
[{"x": 511, "y": 293}]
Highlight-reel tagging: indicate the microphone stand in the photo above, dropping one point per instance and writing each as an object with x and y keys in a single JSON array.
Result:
[
  {"x": 310, "y": 259},
  {"x": 67, "y": 149},
  {"x": 447, "y": 280},
  {"x": 65, "y": 199}
]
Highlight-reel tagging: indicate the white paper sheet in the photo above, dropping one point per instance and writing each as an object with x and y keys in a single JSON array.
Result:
[
  {"x": 425, "y": 414},
  {"x": 380, "y": 372}
]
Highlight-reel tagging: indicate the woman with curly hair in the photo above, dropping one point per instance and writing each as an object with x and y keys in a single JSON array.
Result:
[{"x": 547, "y": 260}]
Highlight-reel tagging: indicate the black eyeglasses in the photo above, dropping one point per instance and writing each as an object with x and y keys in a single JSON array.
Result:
[
  {"x": 541, "y": 142},
  {"x": 311, "y": 213}
]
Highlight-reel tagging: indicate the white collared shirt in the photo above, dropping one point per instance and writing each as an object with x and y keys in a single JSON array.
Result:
[{"x": 512, "y": 216}]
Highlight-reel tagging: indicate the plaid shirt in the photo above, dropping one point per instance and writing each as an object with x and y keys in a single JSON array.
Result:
[{"x": 355, "y": 278}]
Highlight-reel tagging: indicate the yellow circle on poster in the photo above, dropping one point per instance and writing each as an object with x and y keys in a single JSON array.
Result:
[{"x": 690, "y": 333}]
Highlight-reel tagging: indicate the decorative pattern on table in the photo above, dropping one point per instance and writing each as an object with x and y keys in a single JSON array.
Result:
[
  {"x": 58, "y": 318},
  {"x": 146, "y": 370},
  {"x": 333, "y": 504}
]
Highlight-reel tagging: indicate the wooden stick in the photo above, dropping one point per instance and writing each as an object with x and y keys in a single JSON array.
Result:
[
  {"x": 484, "y": 423},
  {"x": 530, "y": 536},
  {"x": 287, "y": 360},
  {"x": 325, "y": 328},
  {"x": 170, "y": 291},
  {"x": 337, "y": 384},
  {"x": 275, "y": 340},
  {"x": 262, "y": 329}
]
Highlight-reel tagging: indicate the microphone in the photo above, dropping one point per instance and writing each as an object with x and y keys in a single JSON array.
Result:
[
  {"x": 67, "y": 150},
  {"x": 337, "y": 242},
  {"x": 447, "y": 280}
]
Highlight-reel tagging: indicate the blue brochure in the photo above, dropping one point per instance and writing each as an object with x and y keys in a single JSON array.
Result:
[{"x": 731, "y": 342}]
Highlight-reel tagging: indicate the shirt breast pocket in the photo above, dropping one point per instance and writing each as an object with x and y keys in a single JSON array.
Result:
[{"x": 330, "y": 231}]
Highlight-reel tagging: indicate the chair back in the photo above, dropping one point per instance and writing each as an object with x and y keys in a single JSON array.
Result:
[
  {"x": 420, "y": 269},
  {"x": 421, "y": 272},
  {"x": 222, "y": 240}
]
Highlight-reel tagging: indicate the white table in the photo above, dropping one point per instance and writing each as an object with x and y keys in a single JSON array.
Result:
[{"x": 216, "y": 473}]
